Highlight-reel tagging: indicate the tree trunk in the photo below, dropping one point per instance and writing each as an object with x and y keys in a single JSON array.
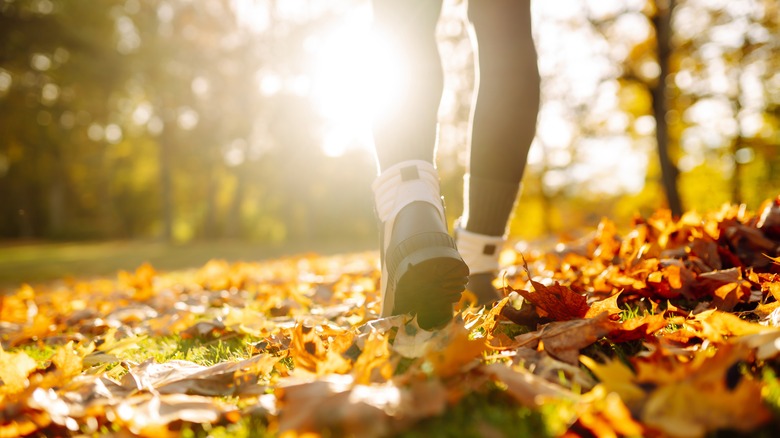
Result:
[
  {"x": 166, "y": 184},
  {"x": 669, "y": 171}
]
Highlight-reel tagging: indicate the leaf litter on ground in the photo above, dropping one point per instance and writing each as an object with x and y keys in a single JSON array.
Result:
[{"x": 668, "y": 329}]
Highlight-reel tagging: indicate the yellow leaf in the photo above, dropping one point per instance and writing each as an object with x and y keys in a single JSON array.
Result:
[
  {"x": 14, "y": 369},
  {"x": 452, "y": 350},
  {"x": 617, "y": 378},
  {"x": 373, "y": 364}
]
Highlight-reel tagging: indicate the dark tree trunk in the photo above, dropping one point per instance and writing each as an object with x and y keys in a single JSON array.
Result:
[{"x": 669, "y": 172}]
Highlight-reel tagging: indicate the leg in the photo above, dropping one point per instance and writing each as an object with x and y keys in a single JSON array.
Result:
[
  {"x": 422, "y": 271},
  {"x": 406, "y": 129},
  {"x": 503, "y": 126}
]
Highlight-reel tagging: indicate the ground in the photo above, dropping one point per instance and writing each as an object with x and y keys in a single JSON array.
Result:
[{"x": 666, "y": 329}]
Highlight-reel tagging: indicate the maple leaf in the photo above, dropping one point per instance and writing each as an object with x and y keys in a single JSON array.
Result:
[
  {"x": 727, "y": 287},
  {"x": 608, "y": 305},
  {"x": 638, "y": 328},
  {"x": 556, "y": 302},
  {"x": 564, "y": 340}
]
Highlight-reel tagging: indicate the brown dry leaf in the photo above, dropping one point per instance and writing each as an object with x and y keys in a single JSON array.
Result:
[
  {"x": 336, "y": 403},
  {"x": 524, "y": 386},
  {"x": 150, "y": 414},
  {"x": 223, "y": 379},
  {"x": 564, "y": 340},
  {"x": 553, "y": 370}
]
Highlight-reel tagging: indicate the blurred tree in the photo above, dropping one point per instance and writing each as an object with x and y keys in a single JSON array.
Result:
[
  {"x": 662, "y": 23},
  {"x": 181, "y": 119}
]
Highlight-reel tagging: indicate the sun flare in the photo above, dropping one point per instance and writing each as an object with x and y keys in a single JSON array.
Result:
[{"x": 356, "y": 76}]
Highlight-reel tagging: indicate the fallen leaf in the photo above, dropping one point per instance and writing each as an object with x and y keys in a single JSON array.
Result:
[
  {"x": 608, "y": 305},
  {"x": 708, "y": 398},
  {"x": 638, "y": 328},
  {"x": 451, "y": 351},
  {"x": 525, "y": 387},
  {"x": 14, "y": 369},
  {"x": 564, "y": 340},
  {"x": 556, "y": 302}
]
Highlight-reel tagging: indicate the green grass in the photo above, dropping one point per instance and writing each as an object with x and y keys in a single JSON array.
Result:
[
  {"x": 491, "y": 413},
  {"x": 201, "y": 351},
  {"x": 47, "y": 261}
]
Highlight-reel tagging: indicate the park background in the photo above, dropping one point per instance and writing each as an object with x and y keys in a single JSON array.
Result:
[{"x": 183, "y": 130}]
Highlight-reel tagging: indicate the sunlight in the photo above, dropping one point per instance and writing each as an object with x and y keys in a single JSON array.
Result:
[{"x": 355, "y": 75}]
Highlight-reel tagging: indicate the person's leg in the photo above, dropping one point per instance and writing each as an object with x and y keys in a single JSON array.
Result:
[
  {"x": 422, "y": 271},
  {"x": 406, "y": 127},
  {"x": 503, "y": 126}
]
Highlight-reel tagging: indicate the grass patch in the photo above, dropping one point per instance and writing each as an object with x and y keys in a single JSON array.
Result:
[
  {"x": 201, "y": 351},
  {"x": 41, "y": 262},
  {"x": 492, "y": 413}
]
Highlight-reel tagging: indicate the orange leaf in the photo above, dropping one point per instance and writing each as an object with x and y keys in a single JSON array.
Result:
[
  {"x": 373, "y": 364},
  {"x": 556, "y": 302},
  {"x": 311, "y": 354},
  {"x": 638, "y": 328},
  {"x": 451, "y": 350},
  {"x": 608, "y": 305}
]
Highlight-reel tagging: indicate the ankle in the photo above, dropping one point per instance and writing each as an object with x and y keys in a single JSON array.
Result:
[
  {"x": 481, "y": 252},
  {"x": 488, "y": 205}
]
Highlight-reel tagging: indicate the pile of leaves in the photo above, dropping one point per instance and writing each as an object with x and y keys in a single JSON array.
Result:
[{"x": 670, "y": 329}]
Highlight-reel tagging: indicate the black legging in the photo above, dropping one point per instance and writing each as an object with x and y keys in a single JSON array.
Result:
[{"x": 506, "y": 96}]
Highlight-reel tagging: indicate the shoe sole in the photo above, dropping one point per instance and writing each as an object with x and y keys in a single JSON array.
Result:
[{"x": 428, "y": 278}]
